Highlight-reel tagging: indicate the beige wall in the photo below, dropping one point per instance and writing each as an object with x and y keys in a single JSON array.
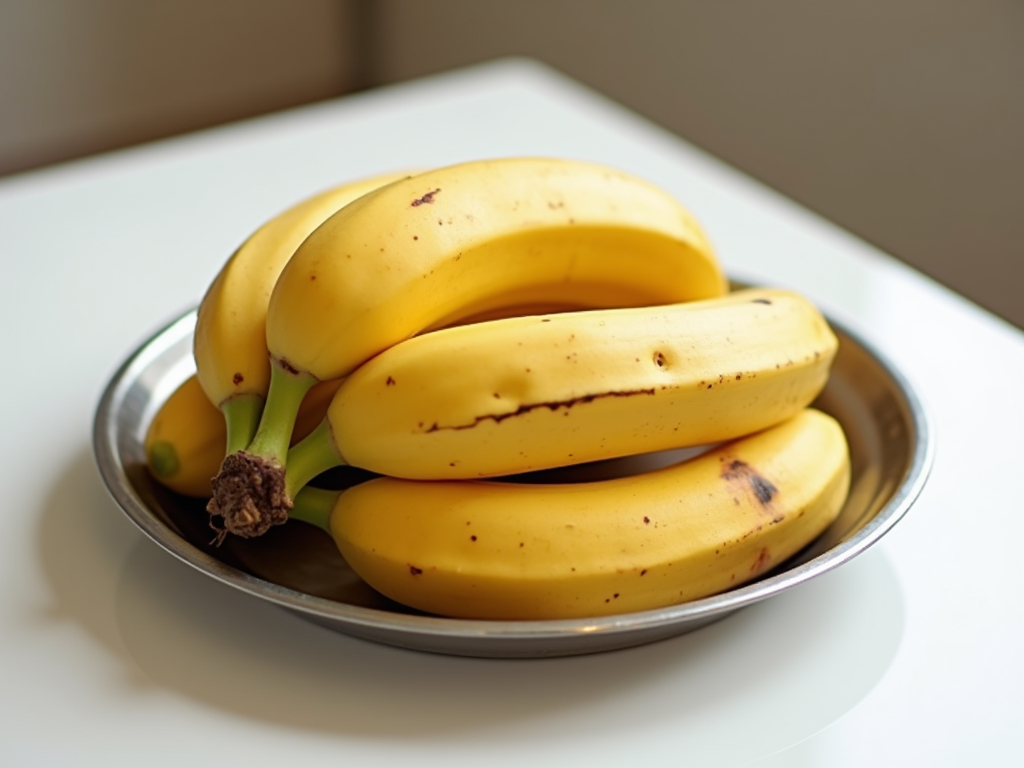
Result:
[
  {"x": 81, "y": 76},
  {"x": 902, "y": 121}
]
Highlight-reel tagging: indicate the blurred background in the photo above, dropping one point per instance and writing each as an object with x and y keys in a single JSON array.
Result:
[{"x": 900, "y": 120}]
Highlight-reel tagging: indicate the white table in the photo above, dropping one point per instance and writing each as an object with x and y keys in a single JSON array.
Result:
[{"x": 113, "y": 653}]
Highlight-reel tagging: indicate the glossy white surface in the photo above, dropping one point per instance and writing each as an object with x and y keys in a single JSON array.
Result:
[{"x": 112, "y": 653}]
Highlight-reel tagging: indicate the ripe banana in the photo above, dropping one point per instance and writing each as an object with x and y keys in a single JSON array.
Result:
[
  {"x": 527, "y": 393},
  {"x": 185, "y": 441},
  {"x": 230, "y": 337},
  {"x": 441, "y": 247},
  {"x": 493, "y": 550}
]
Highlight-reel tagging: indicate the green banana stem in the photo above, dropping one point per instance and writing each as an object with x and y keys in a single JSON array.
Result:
[
  {"x": 249, "y": 491},
  {"x": 315, "y": 506},
  {"x": 287, "y": 388},
  {"x": 242, "y": 416},
  {"x": 315, "y": 453}
]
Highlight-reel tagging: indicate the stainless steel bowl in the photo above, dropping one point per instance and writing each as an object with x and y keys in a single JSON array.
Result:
[{"x": 298, "y": 568}]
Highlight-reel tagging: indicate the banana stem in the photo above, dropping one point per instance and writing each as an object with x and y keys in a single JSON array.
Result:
[
  {"x": 315, "y": 506},
  {"x": 315, "y": 453},
  {"x": 242, "y": 416},
  {"x": 287, "y": 388},
  {"x": 249, "y": 491}
]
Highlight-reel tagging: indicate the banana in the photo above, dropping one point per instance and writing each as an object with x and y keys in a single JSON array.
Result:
[
  {"x": 184, "y": 444},
  {"x": 185, "y": 441},
  {"x": 492, "y": 550},
  {"x": 529, "y": 393},
  {"x": 230, "y": 344},
  {"x": 443, "y": 246}
]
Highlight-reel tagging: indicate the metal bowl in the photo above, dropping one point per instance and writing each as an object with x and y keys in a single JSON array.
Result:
[{"x": 298, "y": 568}]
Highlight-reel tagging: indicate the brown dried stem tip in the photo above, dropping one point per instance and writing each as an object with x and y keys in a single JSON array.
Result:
[{"x": 249, "y": 494}]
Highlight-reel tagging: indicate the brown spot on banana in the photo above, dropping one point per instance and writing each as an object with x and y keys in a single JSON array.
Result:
[
  {"x": 738, "y": 472},
  {"x": 426, "y": 199},
  {"x": 287, "y": 366},
  {"x": 761, "y": 561},
  {"x": 527, "y": 408}
]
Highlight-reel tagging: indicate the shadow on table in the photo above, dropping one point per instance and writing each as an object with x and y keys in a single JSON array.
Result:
[
  {"x": 776, "y": 672},
  {"x": 83, "y": 540}
]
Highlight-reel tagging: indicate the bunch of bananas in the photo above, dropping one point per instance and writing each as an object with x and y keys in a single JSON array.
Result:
[{"x": 453, "y": 329}]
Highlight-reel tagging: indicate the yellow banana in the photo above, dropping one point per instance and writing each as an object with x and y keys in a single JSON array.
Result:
[
  {"x": 185, "y": 441},
  {"x": 231, "y": 338},
  {"x": 469, "y": 238},
  {"x": 528, "y": 393},
  {"x": 443, "y": 246},
  {"x": 492, "y": 550}
]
